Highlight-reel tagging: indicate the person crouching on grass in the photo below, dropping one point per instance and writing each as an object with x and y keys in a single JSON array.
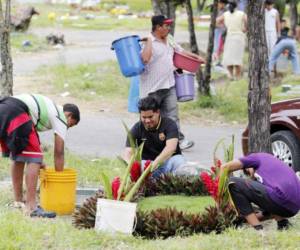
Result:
[
  {"x": 161, "y": 137},
  {"x": 273, "y": 187},
  {"x": 21, "y": 117}
]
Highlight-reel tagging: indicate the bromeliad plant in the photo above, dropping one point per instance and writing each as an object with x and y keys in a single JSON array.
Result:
[
  {"x": 216, "y": 181},
  {"x": 127, "y": 187}
]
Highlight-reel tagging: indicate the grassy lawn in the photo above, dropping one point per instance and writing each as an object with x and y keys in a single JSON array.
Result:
[
  {"x": 105, "y": 17},
  {"x": 21, "y": 232},
  {"x": 36, "y": 43},
  {"x": 105, "y": 81}
]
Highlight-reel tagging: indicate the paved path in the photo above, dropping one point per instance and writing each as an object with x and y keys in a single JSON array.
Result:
[
  {"x": 100, "y": 134},
  {"x": 83, "y": 46}
]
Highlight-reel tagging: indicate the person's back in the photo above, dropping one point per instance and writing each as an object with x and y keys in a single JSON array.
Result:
[
  {"x": 45, "y": 113},
  {"x": 281, "y": 182},
  {"x": 234, "y": 21}
]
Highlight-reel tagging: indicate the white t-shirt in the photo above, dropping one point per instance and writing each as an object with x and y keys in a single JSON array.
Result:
[
  {"x": 270, "y": 19},
  {"x": 45, "y": 114}
]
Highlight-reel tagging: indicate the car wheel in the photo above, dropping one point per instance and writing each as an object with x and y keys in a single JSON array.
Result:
[{"x": 286, "y": 147}]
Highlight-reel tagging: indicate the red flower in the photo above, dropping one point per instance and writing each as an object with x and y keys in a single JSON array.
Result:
[
  {"x": 135, "y": 171},
  {"x": 213, "y": 169},
  {"x": 219, "y": 163},
  {"x": 210, "y": 184},
  {"x": 115, "y": 185}
]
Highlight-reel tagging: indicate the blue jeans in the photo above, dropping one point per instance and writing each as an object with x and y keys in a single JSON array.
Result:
[
  {"x": 242, "y": 5},
  {"x": 218, "y": 34},
  {"x": 285, "y": 44},
  {"x": 169, "y": 166}
]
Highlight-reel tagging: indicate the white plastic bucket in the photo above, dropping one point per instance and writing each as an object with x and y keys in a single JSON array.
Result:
[{"x": 115, "y": 216}]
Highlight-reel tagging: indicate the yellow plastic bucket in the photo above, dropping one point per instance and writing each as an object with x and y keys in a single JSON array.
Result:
[{"x": 58, "y": 190}]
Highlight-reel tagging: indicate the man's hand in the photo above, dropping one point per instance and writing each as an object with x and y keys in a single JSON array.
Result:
[{"x": 43, "y": 165}]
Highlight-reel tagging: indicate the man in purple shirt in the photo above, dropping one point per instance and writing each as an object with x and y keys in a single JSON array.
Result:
[{"x": 273, "y": 187}]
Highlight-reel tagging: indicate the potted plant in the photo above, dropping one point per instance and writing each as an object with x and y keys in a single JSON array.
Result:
[{"x": 117, "y": 213}]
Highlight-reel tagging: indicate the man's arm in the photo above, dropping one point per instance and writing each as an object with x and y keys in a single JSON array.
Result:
[
  {"x": 167, "y": 152},
  {"x": 232, "y": 166},
  {"x": 59, "y": 146},
  {"x": 147, "y": 51},
  {"x": 127, "y": 154},
  {"x": 278, "y": 25}
]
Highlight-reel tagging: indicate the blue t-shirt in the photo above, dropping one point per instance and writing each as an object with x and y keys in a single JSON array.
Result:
[{"x": 281, "y": 182}]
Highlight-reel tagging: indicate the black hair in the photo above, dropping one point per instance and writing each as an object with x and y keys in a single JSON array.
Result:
[
  {"x": 231, "y": 6},
  {"x": 148, "y": 103},
  {"x": 269, "y": 2},
  {"x": 73, "y": 109}
]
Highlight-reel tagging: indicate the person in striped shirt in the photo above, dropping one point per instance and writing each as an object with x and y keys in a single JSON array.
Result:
[
  {"x": 158, "y": 77},
  {"x": 21, "y": 117}
]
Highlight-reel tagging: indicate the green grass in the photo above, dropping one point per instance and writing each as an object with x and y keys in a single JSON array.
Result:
[
  {"x": 105, "y": 18},
  {"x": 105, "y": 81},
  {"x": 21, "y": 232},
  {"x": 190, "y": 204},
  {"x": 88, "y": 81},
  {"x": 88, "y": 170},
  {"x": 37, "y": 44}
]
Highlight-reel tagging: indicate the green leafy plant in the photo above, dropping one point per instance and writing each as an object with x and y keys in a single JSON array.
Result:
[{"x": 126, "y": 187}]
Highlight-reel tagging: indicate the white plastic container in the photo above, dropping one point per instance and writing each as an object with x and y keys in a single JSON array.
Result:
[{"x": 115, "y": 216}]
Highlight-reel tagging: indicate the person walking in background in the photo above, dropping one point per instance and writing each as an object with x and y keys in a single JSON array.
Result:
[
  {"x": 220, "y": 31},
  {"x": 158, "y": 77},
  {"x": 21, "y": 117},
  {"x": 235, "y": 22},
  {"x": 242, "y": 5},
  {"x": 285, "y": 45},
  {"x": 272, "y": 25}
]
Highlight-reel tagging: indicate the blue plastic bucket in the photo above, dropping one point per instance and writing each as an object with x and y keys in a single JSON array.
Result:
[{"x": 128, "y": 54}]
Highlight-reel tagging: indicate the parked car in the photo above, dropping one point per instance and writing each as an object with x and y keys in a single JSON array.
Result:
[{"x": 285, "y": 132}]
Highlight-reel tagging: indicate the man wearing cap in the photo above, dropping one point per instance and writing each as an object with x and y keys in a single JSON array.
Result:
[
  {"x": 21, "y": 117},
  {"x": 158, "y": 77}
]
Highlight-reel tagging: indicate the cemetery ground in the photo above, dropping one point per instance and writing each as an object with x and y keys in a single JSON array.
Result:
[
  {"x": 95, "y": 87},
  {"x": 21, "y": 232}
]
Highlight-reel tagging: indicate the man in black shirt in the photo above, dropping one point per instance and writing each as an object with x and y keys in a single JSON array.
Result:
[{"x": 160, "y": 135}]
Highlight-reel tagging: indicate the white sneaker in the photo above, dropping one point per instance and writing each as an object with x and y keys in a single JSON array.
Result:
[{"x": 185, "y": 144}]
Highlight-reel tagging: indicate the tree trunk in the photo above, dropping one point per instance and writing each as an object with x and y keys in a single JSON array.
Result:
[
  {"x": 259, "y": 107},
  {"x": 166, "y": 8},
  {"x": 191, "y": 27},
  {"x": 204, "y": 87},
  {"x": 6, "y": 74},
  {"x": 294, "y": 15},
  {"x": 200, "y": 5},
  {"x": 156, "y": 7}
]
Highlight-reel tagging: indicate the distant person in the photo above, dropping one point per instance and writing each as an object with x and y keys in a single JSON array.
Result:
[
  {"x": 273, "y": 187},
  {"x": 272, "y": 25},
  {"x": 160, "y": 135},
  {"x": 287, "y": 46},
  {"x": 242, "y": 5},
  {"x": 220, "y": 32},
  {"x": 235, "y": 22},
  {"x": 21, "y": 117},
  {"x": 158, "y": 77}
]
